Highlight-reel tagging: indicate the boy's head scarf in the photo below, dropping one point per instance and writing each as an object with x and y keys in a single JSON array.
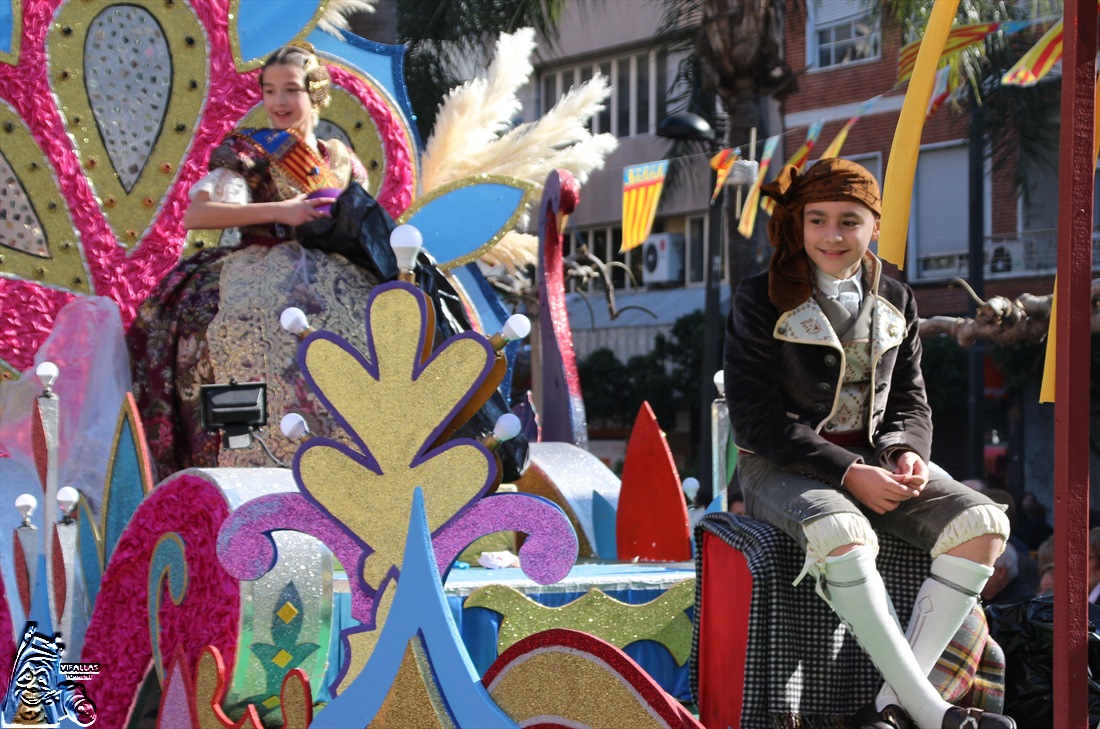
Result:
[{"x": 790, "y": 278}]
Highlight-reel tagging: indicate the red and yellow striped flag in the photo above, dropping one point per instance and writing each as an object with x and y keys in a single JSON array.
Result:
[
  {"x": 642, "y": 185},
  {"x": 798, "y": 159},
  {"x": 748, "y": 211},
  {"x": 1038, "y": 61},
  {"x": 722, "y": 163},
  {"x": 960, "y": 38}
]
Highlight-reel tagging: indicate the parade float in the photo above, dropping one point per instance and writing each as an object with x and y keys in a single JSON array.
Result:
[{"x": 320, "y": 585}]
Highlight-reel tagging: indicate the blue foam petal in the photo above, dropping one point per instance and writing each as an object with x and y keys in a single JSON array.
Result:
[
  {"x": 264, "y": 26},
  {"x": 460, "y": 221}
]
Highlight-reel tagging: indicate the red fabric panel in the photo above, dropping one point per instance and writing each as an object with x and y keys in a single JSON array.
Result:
[{"x": 723, "y": 615}]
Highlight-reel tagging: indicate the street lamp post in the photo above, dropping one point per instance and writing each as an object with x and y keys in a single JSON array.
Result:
[{"x": 691, "y": 127}]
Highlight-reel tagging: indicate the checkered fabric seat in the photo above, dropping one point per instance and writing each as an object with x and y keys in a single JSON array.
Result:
[{"x": 767, "y": 654}]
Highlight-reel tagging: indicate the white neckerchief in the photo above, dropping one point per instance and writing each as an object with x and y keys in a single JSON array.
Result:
[{"x": 830, "y": 285}]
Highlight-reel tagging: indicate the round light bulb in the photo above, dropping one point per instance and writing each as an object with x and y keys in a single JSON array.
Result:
[
  {"x": 67, "y": 499},
  {"x": 720, "y": 382},
  {"x": 293, "y": 426},
  {"x": 507, "y": 427},
  {"x": 294, "y": 320},
  {"x": 47, "y": 373},
  {"x": 406, "y": 242},
  {"x": 26, "y": 504},
  {"x": 516, "y": 327},
  {"x": 691, "y": 487}
]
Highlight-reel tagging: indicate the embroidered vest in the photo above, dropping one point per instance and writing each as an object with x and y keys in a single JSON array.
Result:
[{"x": 855, "y": 338}]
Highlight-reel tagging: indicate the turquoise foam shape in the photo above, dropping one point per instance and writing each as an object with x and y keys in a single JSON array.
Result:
[
  {"x": 603, "y": 525},
  {"x": 419, "y": 611},
  {"x": 125, "y": 490},
  {"x": 167, "y": 574},
  {"x": 460, "y": 221},
  {"x": 717, "y": 504},
  {"x": 40, "y": 600},
  {"x": 91, "y": 568},
  {"x": 264, "y": 26},
  {"x": 7, "y": 26},
  {"x": 383, "y": 63},
  {"x": 492, "y": 315}
]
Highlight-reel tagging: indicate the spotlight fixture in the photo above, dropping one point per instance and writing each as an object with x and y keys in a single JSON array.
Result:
[{"x": 235, "y": 409}]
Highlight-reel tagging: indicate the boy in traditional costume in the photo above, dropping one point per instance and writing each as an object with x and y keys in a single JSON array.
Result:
[{"x": 827, "y": 400}]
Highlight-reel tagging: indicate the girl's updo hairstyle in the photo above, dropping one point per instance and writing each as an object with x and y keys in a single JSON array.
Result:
[{"x": 300, "y": 54}]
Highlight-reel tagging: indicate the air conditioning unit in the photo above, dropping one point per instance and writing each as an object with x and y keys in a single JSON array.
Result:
[{"x": 663, "y": 259}]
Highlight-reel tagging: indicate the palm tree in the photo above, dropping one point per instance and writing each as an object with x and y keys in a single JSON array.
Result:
[
  {"x": 733, "y": 52},
  {"x": 446, "y": 39}
]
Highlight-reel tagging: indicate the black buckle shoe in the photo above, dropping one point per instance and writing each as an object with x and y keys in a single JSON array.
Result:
[
  {"x": 891, "y": 717},
  {"x": 958, "y": 717}
]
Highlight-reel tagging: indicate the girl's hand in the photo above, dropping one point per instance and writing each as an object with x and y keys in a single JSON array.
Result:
[
  {"x": 876, "y": 488},
  {"x": 298, "y": 210},
  {"x": 911, "y": 470}
]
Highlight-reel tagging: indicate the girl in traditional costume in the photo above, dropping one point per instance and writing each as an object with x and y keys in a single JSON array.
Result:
[
  {"x": 215, "y": 318},
  {"x": 827, "y": 401}
]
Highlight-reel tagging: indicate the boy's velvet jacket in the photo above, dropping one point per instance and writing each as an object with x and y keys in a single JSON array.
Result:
[{"x": 784, "y": 369}]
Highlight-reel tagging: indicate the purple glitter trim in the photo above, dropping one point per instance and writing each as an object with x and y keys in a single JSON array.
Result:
[{"x": 551, "y": 546}]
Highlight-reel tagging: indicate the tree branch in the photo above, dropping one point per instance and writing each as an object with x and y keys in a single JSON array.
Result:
[{"x": 1004, "y": 321}]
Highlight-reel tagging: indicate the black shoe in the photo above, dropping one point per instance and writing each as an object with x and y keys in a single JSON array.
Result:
[
  {"x": 892, "y": 717},
  {"x": 959, "y": 718}
]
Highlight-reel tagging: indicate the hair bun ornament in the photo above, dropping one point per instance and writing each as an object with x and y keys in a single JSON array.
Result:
[{"x": 303, "y": 45}]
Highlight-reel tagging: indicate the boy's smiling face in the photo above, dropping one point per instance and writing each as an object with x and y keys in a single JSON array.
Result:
[{"x": 837, "y": 234}]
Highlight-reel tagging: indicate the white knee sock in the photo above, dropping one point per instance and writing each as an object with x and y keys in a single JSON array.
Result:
[
  {"x": 858, "y": 596},
  {"x": 942, "y": 604}
]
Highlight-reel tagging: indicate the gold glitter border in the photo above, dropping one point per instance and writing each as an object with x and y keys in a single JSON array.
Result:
[
  {"x": 12, "y": 58},
  {"x": 130, "y": 214},
  {"x": 65, "y": 267},
  {"x": 526, "y": 186},
  {"x": 235, "y": 43}
]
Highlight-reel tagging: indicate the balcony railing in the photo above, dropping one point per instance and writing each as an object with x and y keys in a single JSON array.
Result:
[{"x": 1030, "y": 253}]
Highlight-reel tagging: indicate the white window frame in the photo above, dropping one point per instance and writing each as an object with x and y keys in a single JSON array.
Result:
[
  {"x": 630, "y": 59},
  {"x": 850, "y": 11}
]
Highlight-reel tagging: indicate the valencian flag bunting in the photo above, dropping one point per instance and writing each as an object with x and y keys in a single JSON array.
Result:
[
  {"x": 798, "y": 159},
  {"x": 960, "y": 38},
  {"x": 1038, "y": 61},
  {"x": 748, "y": 211},
  {"x": 722, "y": 163},
  {"x": 642, "y": 185},
  {"x": 833, "y": 150}
]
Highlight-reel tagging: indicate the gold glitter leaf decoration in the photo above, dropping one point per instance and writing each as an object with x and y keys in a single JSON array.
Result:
[
  {"x": 395, "y": 407},
  {"x": 662, "y": 620}
]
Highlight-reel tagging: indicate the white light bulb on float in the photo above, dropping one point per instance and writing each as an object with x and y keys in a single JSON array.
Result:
[
  {"x": 720, "y": 382},
  {"x": 295, "y": 321},
  {"x": 67, "y": 498},
  {"x": 691, "y": 488},
  {"x": 516, "y": 327},
  {"x": 507, "y": 427},
  {"x": 294, "y": 427},
  {"x": 47, "y": 373},
  {"x": 406, "y": 242},
  {"x": 25, "y": 504}
]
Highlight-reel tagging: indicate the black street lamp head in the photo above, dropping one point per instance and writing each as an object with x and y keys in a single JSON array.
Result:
[{"x": 686, "y": 126}]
